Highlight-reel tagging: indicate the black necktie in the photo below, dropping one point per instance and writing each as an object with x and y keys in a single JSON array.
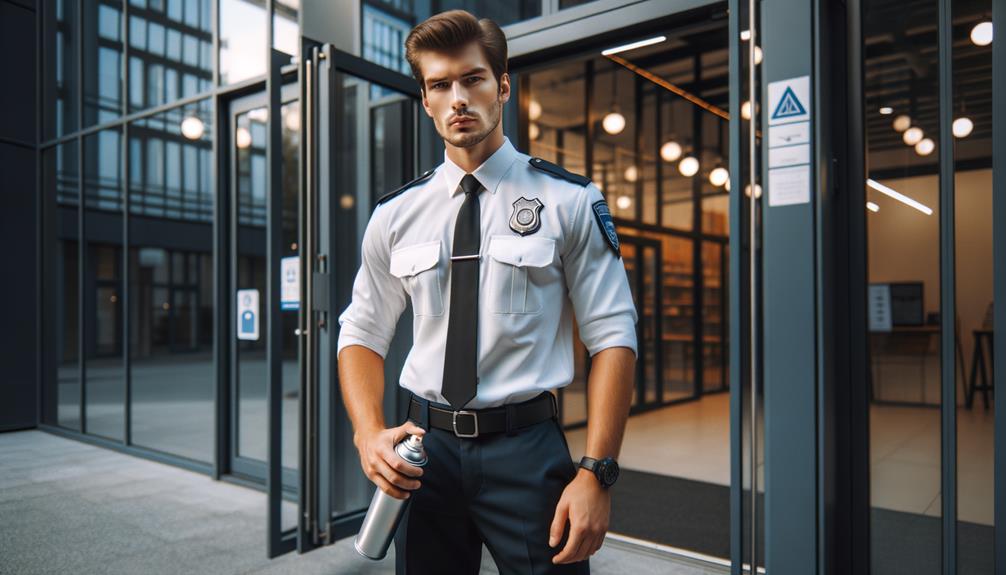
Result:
[{"x": 461, "y": 357}]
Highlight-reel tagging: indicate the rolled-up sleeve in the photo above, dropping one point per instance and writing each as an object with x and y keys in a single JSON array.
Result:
[
  {"x": 378, "y": 296},
  {"x": 597, "y": 282}
]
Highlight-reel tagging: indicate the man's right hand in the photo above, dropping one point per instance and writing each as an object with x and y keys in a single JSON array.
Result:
[{"x": 382, "y": 465}]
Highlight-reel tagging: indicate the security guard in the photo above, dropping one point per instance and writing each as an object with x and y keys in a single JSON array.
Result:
[{"x": 497, "y": 252}]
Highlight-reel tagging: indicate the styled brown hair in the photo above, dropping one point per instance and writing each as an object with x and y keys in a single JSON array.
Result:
[{"x": 449, "y": 31}]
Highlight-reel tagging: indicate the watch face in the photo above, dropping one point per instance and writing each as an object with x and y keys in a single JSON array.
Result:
[{"x": 608, "y": 469}]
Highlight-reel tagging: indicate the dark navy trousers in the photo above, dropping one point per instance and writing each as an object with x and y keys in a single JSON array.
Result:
[{"x": 500, "y": 489}]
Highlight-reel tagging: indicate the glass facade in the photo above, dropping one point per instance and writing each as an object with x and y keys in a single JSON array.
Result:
[
  {"x": 171, "y": 303},
  {"x": 904, "y": 139},
  {"x": 133, "y": 251},
  {"x": 657, "y": 156},
  {"x": 170, "y": 51},
  {"x": 649, "y": 126}
]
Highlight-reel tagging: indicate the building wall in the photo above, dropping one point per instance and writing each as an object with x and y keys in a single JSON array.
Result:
[{"x": 18, "y": 388}]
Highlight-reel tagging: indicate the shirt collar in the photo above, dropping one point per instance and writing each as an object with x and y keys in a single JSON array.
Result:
[{"x": 489, "y": 174}]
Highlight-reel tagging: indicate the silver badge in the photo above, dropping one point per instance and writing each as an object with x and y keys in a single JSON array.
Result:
[{"x": 524, "y": 220}]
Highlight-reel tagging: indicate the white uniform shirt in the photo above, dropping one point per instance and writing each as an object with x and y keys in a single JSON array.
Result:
[{"x": 530, "y": 286}]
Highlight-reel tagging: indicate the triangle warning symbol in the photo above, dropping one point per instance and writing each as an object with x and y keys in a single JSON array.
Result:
[{"x": 788, "y": 106}]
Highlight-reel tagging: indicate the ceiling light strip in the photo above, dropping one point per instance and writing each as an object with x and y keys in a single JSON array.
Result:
[
  {"x": 634, "y": 45},
  {"x": 898, "y": 196}
]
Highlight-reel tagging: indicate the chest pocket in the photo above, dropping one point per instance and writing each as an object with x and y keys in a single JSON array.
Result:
[
  {"x": 517, "y": 273},
  {"x": 418, "y": 267}
]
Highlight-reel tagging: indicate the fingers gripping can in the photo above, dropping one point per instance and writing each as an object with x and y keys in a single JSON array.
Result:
[{"x": 385, "y": 512}]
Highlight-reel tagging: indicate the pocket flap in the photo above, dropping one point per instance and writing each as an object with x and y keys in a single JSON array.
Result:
[
  {"x": 411, "y": 260},
  {"x": 522, "y": 252}
]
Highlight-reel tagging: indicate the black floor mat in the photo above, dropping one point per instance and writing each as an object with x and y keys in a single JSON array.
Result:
[{"x": 695, "y": 515}]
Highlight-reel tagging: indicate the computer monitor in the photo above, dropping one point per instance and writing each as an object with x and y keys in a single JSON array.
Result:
[{"x": 907, "y": 305}]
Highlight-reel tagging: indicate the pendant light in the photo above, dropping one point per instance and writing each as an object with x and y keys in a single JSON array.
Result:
[
  {"x": 981, "y": 34},
  {"x": 688, "y": 166},
  {"x": 670, "y": 151}
]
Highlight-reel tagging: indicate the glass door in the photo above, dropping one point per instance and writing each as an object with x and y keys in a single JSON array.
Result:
[
  {"x": 249, "y": 415},
  {"x": 361, "y": 140}
]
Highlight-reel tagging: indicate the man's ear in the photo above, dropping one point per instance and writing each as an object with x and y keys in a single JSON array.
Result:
[
  {"x": 505, "y": 87},
  {"x": 426, "y": 103}
]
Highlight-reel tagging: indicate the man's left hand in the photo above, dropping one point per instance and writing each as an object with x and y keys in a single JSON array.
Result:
[{"x": 586, "y": 505}]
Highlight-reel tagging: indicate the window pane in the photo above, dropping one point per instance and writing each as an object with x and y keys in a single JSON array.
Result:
[
  {"x": 102, "y": 61},
  {"x": 976, "y": 420},
  {"x": 63, "y": 310},
  {"x": 386, "y": 23},
  {"x": 60, "y": 85},
  {"x": 164, "y": 50},
  {"x": 556, "y": 115},
  {"x": 904, "y": 281},
  {"x": 103, "y": 289},
  {"x": 242, "y": 40},
  {"x": 286, "y": 31},
  {"x": 171, "y": 283}
]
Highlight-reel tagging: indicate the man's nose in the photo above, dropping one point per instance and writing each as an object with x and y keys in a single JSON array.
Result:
[{"x": 459, "y": 96}]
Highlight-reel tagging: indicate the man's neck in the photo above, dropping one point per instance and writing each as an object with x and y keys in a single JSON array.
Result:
[{"x": 470, "y": 158}]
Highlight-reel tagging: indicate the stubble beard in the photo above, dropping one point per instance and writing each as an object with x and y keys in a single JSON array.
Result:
[{"x": 472, "y": 139}]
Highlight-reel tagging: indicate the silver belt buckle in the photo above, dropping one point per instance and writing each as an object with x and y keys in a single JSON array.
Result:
[{"x": 475, "y": 419}]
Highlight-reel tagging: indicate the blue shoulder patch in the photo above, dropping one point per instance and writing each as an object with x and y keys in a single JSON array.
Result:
[
  {"x": 414, "y": 182},
  {"x": 603, "y": 216},
  {"x": 558, "y": 171}
]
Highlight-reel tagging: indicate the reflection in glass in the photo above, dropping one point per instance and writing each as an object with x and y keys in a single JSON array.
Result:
[
  {"x": 714, "y": 313},
  {"x": 556, "y": 118},
  {"x": 386, "y": 23},
  {"x": 171, "y": 283},
  {"x": 60, "y": 87},
  {"x": 972, "y": 129},
  {"x": 903, "y": 246},
  {"x": 250, "y": 187},
  {"x": 376, "y": 135},
  {"x": 615, "y": 157},
  {"x": 170, "y": 51},
  {"x": 678, "y": 298},
  {"x": 286, "y": 32},
  {"x": 291, "y": 230},
  {"x": 103, "y": 290},
  {"x": 250, "y": 130},
  {"x": 242, "y": 40},
  {"x": 102, "y": 61},
  {"x": 61, "y": 186}
]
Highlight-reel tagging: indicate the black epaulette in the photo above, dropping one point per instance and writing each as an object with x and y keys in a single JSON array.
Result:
[
  {"x": 393, "y": 194},
  {"x": 558, "y": 171}
]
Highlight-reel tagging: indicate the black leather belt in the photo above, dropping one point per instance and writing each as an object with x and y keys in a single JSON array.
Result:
[{"x": 475, "y": 422}]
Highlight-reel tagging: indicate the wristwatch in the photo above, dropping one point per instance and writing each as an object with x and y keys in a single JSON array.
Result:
[{"x": 606, "y": 470}]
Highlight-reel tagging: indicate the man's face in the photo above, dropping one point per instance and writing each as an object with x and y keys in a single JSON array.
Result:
[{"x": 461, "y": 94}]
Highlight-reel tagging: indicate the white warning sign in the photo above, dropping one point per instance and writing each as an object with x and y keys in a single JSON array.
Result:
[
  {"x": 789, "y": 154},
  {"x": 789, "y": 101}
]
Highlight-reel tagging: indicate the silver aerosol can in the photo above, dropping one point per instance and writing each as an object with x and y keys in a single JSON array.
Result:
[{"x": 385, "y": 511}]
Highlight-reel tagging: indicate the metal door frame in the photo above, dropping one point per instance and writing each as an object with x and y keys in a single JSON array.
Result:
[{"x": 325, "y": 287}]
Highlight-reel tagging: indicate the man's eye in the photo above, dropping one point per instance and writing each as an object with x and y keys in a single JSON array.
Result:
[
  {"x": 473, "y": 79},
  {"x": 439, "y": 86}
]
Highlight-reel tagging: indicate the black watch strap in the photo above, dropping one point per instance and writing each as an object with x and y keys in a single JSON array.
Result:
[{"x": 591, "y": 464}]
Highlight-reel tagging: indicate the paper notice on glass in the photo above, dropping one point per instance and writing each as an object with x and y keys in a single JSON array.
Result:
[
  {"x": 880, "y": 307},
  {"x": 789, "y": 186}
]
